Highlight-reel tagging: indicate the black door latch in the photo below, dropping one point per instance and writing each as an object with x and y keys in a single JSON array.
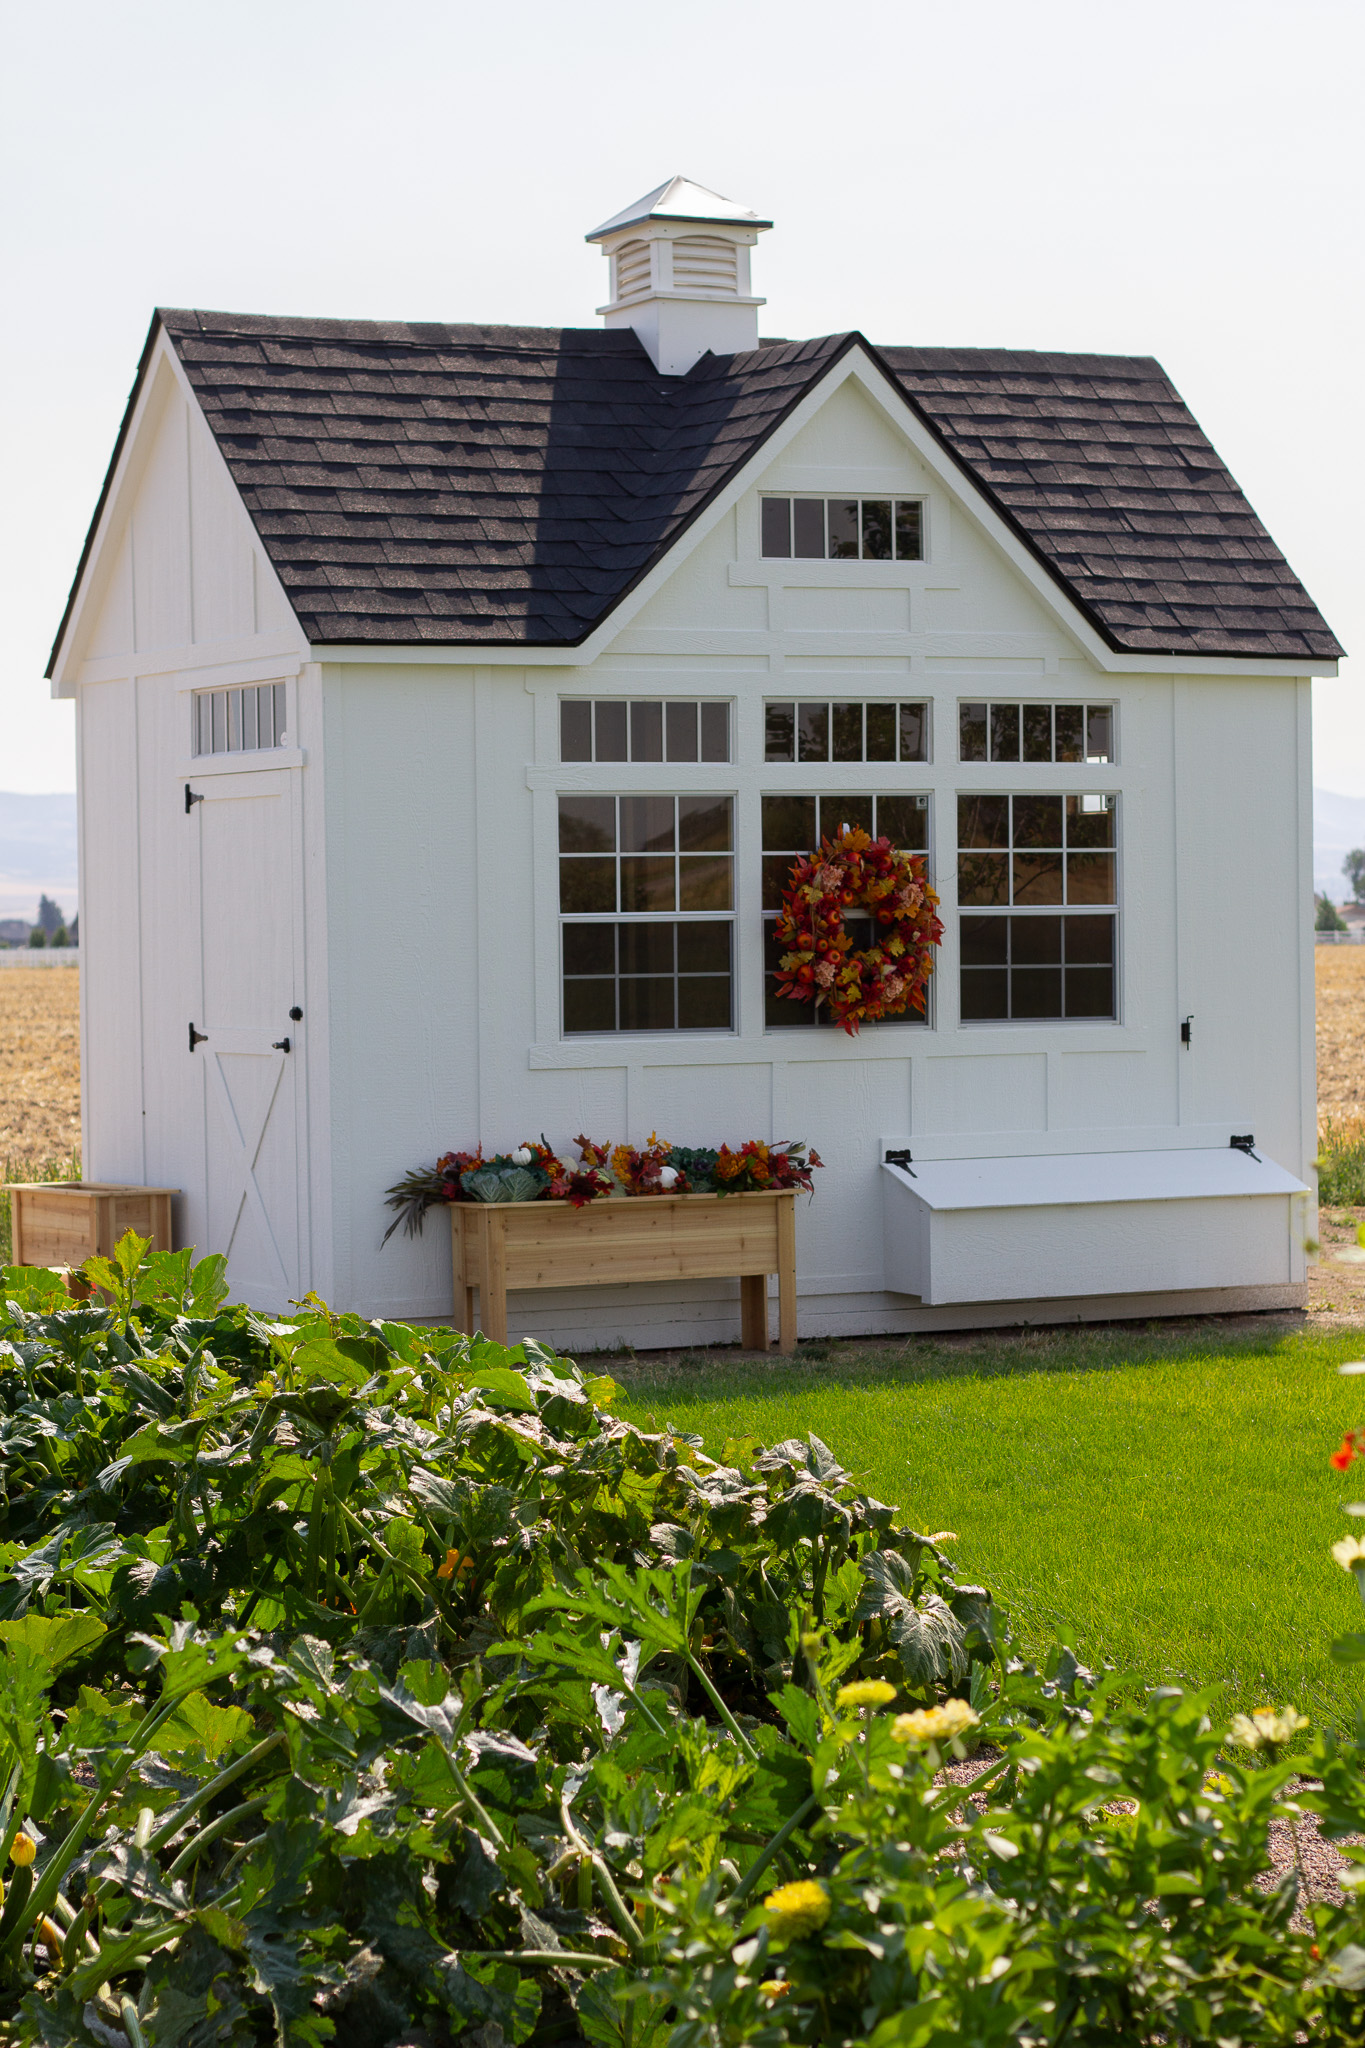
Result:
[
  {"x": 279, "y": 1045},
  {"x": 197, "y": 1037},
  {"x": 192, "y": 797},
  {"x": 297, "y": 1014}
]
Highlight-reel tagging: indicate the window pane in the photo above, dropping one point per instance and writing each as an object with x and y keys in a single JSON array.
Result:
[
  {"x": 1089, "y": 940},
  {"x": 1037, "y": 821},
  {"x": 846, "y": 809},
  {"x": 1068, "y": 719},
  {"x": 704, "y": 882},
  {"x": 250, "y": 720},
  {"x": 812, "y": 726},
  {"x": 842, "y": 514},
  {"x": 914, "y": 732},
  {"x": 647, "y": 1002},
  {"x": 909, "y": 530},
  {"x": 789, "y": 824},
  {"x": 881, "y": 732},
  {"x": 590, "y": 949},
  {"x": 1099, "y": 735},
  {"x": 1004, "y": 732},
  {"x": 1037, "y": 732},
  {"x": 1090, "y": 878},
  {"x": 777, "y": 524},
  {"x": 682, "y": 732},
  {"x": 703, "y": 949},
  {"x": 220, "y": 721},
  {"x": 704, "y": 824},
  {"x": 1038, "y": 878},
  {"x": 808, "y": 526},
  {"x": 647, "y": 824},
  {"x": 1088, "y": 828},
  {"x": 876, "y": 529},
  {"x": 904, "y": 820},
  {"x": 647, "y": 883},
  {"x": 199, "y": 709},
  {"x": 265, "y": 715},
  {"x": 587, "y": 824},
  {"x": 848, "y": 732},
  {"x": 587, "y": 883},
  {"x": 280, "y": 735},
  {"x": 704, "y": 1002},
  {"x": 715, "y": 732},
  {"x": 780, "y": 732},
  {"x": 971, "y": 732},
  {"x": 645, "y": 948},
  {"x": 1089, "y": 991},
  {"x": 575, "y": 729},
  {"x": 985, "y": 992},
  {"x": 777, "y": 870},
  {"x": 1035, "y": 941},
  {"x": 985, "y": 941},
  {"x": 780, "y": 1013},
  {"x": 589, "y": 1005},
  {"x": 610, "y": 727},
  {"x": 1036, "y": 992},
  {"x": 983, "y": 821},
  {"x": 983, "y": 878},
  {"x": 647, "y": 732}
]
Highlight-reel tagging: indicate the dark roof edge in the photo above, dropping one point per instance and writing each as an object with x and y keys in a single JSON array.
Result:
[{"x": 105, "y": 488}]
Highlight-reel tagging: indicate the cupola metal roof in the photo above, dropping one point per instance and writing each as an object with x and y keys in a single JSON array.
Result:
[{"x": 678, "y": 199}]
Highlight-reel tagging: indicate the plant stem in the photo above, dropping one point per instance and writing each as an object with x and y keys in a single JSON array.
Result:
[
  {"x": 774, "y": 1847},
  {"x": 718, "y": 1703},
  {"x": 208, "y": 1835},
  {"x": 173, "y": 1824},
  {"x": 616, "y": 1905}
]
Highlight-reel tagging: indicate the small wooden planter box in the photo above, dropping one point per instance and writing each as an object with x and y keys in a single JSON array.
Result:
[
  {"x": 63, "y": 1222},
  {"x": 498, "y": 1245}
]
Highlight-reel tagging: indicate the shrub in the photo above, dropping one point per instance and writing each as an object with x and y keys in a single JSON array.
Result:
[
  {"x": 1341, "y": 1163},
  {"x": 356, "y": 1677}
]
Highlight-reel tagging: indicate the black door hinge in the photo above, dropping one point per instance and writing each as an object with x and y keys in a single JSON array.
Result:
[
  {"x": 197, "y": 1037},
  {"x": 1246, "y": 1142},
  {"x": 902, "y": 1159},
  {"x": 192, "y": 797},
  {"x": 1187, "y": 1031}
]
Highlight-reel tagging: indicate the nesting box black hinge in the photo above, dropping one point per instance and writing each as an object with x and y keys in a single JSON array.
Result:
[
  {"x": 901, "y": 1158},
  {"x": 1246, "y": 1142}
]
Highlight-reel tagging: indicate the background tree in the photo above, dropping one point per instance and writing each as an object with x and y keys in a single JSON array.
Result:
[
  {"x": 49, "y": 915},
  {"x": 1329, "y": 918},
  {"x": 59, "y": 937},
  {"x": 37, "y": 937},
  {"x": 1353, "y": 867}
]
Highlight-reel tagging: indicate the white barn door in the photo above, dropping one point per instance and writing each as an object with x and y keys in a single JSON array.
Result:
[{"x": 249, "y": 901}]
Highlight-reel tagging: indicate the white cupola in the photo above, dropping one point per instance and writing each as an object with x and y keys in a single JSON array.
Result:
[{"x": 680, "y": 274}]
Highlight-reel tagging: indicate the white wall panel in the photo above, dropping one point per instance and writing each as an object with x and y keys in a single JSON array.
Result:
[
  {"x": 161, "y": 533},
  {"x": 111, "y": 1049}
]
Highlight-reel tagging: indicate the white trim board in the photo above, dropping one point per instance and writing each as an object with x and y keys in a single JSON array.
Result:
[{"x": 1047, "y": 1180}]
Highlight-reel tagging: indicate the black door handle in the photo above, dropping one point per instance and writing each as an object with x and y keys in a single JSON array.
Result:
[
  {"x": 197, "y": 1037},
  {"x": 192, "y": 797},
  {"x": 279, "y": 1045}
]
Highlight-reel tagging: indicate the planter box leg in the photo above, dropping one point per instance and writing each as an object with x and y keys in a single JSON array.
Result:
[
  {"x": 493, "y": 1293},
  {"x": 753, "y": 1311},
  {"x": 786, "y": 1274}
]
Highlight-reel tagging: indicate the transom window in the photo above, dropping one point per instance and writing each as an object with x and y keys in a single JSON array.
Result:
[
  {"x": 646, "y": 898},
  {"x": 611, "y": 729},
  {"x": 844, "y": 529},
  {"x": 793, "y": 827},
  {"x": 1035, "y": 732},
  {"x": 1031, "y": 853},
  {"x": 846, "y": 732},
  {"x": 239, "y": 721}
]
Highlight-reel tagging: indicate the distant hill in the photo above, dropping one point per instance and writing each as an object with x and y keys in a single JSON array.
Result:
[
  {"x": 1338, "y": 826},
  {"x": 37, "y": 852}
]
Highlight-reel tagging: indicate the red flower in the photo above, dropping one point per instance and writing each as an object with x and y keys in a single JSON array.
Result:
[{"x": 1346, "y": 1455}]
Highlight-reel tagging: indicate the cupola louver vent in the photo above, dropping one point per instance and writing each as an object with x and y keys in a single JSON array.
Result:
[
  {"x": 632, "y": 270},
  {"x": 705, "y": 263}
]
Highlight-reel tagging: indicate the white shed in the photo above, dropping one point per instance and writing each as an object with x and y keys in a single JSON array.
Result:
[{"x": 452, "y": 701}]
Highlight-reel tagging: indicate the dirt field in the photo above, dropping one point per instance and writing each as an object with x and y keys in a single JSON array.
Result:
[
  {"x": 1341, "y": 1031},
  {"x": 40, "y": 1067}
]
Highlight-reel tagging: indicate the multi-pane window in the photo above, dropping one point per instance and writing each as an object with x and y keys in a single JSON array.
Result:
[
  {"x": 1035, "y": 732},
  {"x": 844, "y": 529},
  {"x": 1027, "y": 856},
  {"x": 793, "y": 827},
  {"x": 239, "y": 721},
  {"x": 611, "y": 729},
  {"x": 846, "y": 732},
  {"x": 646, "y": 898}
]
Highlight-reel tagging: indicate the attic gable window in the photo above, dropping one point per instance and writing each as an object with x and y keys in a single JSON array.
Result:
[
  {"x": 843, "y": 529},
  {"x": 846, "y": 732},
  {"x": 610, "y": 729},
  {"x": 1036, "y": 732},
  {"x": 239, "y": 721}
]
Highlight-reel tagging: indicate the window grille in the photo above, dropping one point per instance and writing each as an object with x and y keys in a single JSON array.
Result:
[
  {"x": 239, "y": 721},
  {"x": 846, "y": 732},
  {"x": 1035, "y": 732},
  {"x": 844, "y": 529},
  {"x": 1045, "y": 859},
  {"x": 611, "y": 729}
]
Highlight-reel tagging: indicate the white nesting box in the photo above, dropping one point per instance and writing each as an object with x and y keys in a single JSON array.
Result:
[{"x": 1090, "y": 1223}]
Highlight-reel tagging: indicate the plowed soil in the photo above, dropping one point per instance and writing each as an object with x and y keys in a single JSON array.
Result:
[
  {"x": 1341, "y": 1031},
  {"x": 40, "y": 1066}
]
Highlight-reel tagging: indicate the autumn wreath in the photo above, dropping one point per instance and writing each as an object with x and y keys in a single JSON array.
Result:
[{"x": 853, "y": 871}]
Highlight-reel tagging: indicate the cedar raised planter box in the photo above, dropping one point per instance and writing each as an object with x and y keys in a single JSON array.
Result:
[
  {"x": 64, "y": 1222},
  {"x": 498, "y": 1245}
]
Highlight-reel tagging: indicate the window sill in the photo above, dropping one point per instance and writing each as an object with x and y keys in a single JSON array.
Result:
[{"x": 242, "y": 764}]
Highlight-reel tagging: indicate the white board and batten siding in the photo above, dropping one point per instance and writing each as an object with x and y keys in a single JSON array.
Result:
[
  {"x": 200, "y": 914},
  {"x": 416, "y": 922}
]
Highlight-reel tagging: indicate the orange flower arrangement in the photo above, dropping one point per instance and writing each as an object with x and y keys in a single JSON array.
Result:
[{"x": 854, "y": 871}]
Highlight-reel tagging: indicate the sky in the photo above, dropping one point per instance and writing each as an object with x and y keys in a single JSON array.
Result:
[{"x": 1180, "y": 180}]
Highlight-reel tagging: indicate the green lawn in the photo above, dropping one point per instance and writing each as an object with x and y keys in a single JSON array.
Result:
[{"x": 1163, "y": 1495}]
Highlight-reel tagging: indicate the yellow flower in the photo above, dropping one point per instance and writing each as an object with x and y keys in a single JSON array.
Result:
[
  {"x": 864, "y": 1692},
  {"x": 797, "y": 1909},
  {"x": 935, "y": 1724},
  {"x": 22, "y": 1851},
  {"x": 1350, "y": 1553},
  {"x": 774, "y": 1987},
  {"x": 1266, "y": 1726},
  {"x": 454, "y": 1563}
]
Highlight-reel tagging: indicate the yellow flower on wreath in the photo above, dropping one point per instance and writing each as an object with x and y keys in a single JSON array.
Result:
[{"x": 797, "y": 1909}]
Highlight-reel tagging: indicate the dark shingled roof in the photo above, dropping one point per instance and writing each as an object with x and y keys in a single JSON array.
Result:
[{"x": 509, "y": 485}]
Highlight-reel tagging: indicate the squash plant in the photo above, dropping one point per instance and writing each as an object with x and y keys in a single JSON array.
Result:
[{"x": 366, "y": 1683}]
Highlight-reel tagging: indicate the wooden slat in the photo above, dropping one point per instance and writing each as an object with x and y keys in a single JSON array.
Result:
[{"x": 63, "y": 1223}]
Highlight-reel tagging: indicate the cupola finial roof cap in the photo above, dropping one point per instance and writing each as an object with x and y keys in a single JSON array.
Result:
[{"x": 679, "y": 199}]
